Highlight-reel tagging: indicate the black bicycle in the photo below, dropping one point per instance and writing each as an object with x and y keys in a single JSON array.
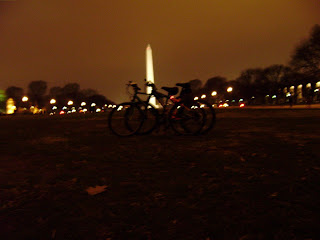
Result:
[{"x": 184, "y": 117}]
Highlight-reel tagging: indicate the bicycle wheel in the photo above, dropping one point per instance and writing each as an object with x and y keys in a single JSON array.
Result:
[
  {"x": 125, "y": 119},
  {"x": 210, "y": 116},
  {"x": 187, "y": 120},
  {"x": 151, "y": 118}
]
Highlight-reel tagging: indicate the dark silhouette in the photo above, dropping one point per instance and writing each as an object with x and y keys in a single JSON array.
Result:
[{"x": 36, "y": 92}]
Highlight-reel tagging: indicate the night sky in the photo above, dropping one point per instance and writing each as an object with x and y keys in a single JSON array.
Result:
[{"x": 100, "y": 44}]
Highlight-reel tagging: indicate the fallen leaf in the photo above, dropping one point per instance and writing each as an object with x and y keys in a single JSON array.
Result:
[
  {"x": 274, "y": 194},
  {"x": 95, "y": 190}
]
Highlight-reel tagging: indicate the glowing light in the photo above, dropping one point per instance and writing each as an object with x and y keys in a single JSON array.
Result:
[
  {"x": 10, "y": 106},
  {"x": 203, "y": 96},
  {"x": 25, "y": 99},
  {"x": 316, "y": 90},
  {"x": 202, "y": 106},
  {"x": 274, "y": 96},
  {"x": 241, "y": 100},
  {"x": 288, "y": 94},
  {"x": 83, "y": 103},
  {"x": 62, "y": 112},
  {"x": 98, "y": 110},
  {"x": 119, "y": 108},
  {"x": 114, "y": 106},
  {"x": 214, "y": 93},
  {"x": 70, "y": 102},
  {"x": 64, "y": 108},
  {"x": 196, "y": 98},
  {"x": 225, "y": 105},
  {"x": 53, "y": 101},
  {"x": 229, "y": 89},
  {"x": 242, "y": 105},
  {"x": 93, "y": 104},
  {"x": 110, "y": 106},
  {"x": 308, "y": 85},
  {"x": 85, "y": 110},
  {"x": 69, "y": 112},
  {"x": 54, "y": 107}
]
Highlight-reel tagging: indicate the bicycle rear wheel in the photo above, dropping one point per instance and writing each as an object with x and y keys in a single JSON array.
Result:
[
  {"x": 126, "y": 119},
  {"x": 187, "y": 120},
  {"x": 210, "y": 116}
]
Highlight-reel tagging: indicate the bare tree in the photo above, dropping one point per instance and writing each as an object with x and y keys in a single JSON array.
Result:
[{"x": 306, "y": 57}]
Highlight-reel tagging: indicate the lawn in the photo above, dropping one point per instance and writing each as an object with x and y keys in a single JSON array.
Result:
[{"x": 254, "y": 176}]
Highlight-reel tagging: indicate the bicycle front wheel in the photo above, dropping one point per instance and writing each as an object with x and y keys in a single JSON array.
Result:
[
  {"x": 187, "y": 120},
  {"x": 125, "y": 119},
  {"x": 151, "y": 118}
]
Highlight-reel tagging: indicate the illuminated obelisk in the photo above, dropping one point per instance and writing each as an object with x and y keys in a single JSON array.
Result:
[{"x": 149, "y": 73}]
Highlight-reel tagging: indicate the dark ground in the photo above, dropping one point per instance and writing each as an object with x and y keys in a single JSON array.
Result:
[{"x": 255, "y": 176}]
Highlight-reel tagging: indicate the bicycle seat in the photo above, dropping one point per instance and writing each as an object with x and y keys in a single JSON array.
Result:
[
  {"x": 134, "y": 85},
  {"x": 171, "y": 90},
  {"x": 183, "y": 85}
]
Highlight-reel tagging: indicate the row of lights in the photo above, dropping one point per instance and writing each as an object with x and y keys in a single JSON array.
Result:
[
  {"x": 70, "y": 102},
  {"x": 214, "y": 93}
]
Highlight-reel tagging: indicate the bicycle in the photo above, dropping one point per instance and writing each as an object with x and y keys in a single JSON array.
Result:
[
  {"x": 186, "y": 120},
  {"x": 186, "y": 94},
  {"x": 182, "y": 117}
]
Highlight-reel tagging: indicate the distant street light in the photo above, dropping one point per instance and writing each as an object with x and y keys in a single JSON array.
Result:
[
  {"x": 53, "y": 101},
  {"x": 229, "y": 89},
  {"x": 196, "y": 98},
  {"x": 25, "y": 99},
  {"x": 214, "y": 93},
  {"x": 83, "y": 103},
  {"x": 70, "y": 102},
  {"x": 203, "y": 96}
]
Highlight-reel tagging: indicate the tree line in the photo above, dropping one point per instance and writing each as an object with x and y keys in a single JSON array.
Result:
[
  {"x": 258, "y": 84},
  {"x": 37, "y": 96}
]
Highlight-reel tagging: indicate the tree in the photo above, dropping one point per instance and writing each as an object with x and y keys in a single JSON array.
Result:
[
  {"x": 88, "y": 92},
  {"x": 216, "y": 83},
  {"x": 195, "y": 85},
  {"x": 36, "y": 92},
  {"x": 250, "y": 83},
  {"x": 306, "y": 57},
  {"x": 71, "y": 90},
  {"x": 14, "y": 92}
]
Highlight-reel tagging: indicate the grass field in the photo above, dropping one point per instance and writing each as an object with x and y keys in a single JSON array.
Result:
[{"x": 255, "y": 176}]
